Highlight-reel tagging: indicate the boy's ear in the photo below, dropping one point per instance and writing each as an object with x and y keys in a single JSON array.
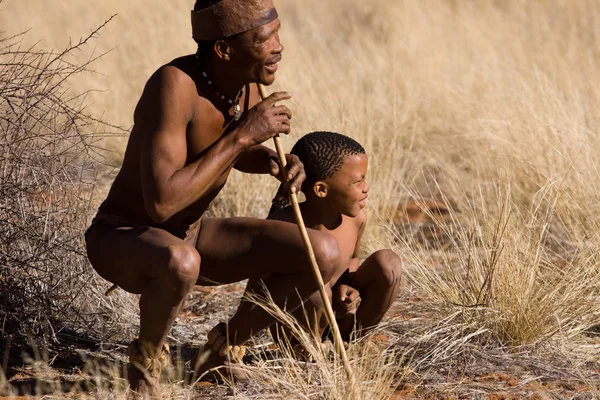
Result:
[
  {"x": 223, "y": 49},
  {"x": 320, "y": 188}
]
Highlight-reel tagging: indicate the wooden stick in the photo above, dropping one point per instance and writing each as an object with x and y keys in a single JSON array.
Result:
[
  {"x": 338, "y": 342},
  {"x": 111, "y": 289}
]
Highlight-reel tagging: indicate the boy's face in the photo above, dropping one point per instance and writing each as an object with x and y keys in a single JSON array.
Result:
[{"x": 347, "y": 188}]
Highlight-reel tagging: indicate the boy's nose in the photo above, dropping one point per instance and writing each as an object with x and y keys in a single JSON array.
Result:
[{"x": 366, "y": 188}]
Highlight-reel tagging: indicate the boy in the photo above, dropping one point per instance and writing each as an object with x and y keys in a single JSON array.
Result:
[{"x": 336, "y": 191}]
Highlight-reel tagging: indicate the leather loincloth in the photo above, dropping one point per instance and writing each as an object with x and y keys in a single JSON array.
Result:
[{"x": 187, "y": 232}]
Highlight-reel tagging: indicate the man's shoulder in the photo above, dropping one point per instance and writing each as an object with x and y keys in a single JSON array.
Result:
[
  {"x": 175, "y": 75},
  {"x": 173, "y": 85}
]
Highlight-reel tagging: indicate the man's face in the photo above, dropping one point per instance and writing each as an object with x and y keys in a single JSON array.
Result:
[{"x": 257, "y": 52}]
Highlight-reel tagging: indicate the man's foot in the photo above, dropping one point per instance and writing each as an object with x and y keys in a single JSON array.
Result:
[
  {"x": 217, "y": 360},
  {"x": 144, "y": 371},
  {"x": 209, "y": 365}
]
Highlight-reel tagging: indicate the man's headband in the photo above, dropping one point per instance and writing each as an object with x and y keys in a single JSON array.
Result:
[{"x": 230, "y": 17}]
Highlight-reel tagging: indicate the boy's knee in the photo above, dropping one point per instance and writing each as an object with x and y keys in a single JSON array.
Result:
[
  {"x": 184, "y": 266},
  {"x": 316, "y": 300},
  {"x": 328, "y": 255},
  {"x": 389, "y": 267}
]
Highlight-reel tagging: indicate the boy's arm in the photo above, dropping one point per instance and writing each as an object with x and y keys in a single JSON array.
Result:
[
  {"x": 361, "y": 221},
  {"x": 347, "y": 299}
]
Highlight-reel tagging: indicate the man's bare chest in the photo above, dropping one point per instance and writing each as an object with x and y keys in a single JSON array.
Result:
[
  {"x": 207, "y": 126},
  {"x": 202, "y": 134}
]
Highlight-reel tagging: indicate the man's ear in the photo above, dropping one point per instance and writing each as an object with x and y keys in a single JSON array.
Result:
[
  {"x": 320, "y": 188},
  {"x": 223, "y": 49}
]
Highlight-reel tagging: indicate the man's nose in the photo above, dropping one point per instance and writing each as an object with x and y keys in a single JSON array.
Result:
[{"x": 279, "y": 47}]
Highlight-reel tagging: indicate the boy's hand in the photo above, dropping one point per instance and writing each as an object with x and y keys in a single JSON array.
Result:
[{"x": 346, "y": 301}]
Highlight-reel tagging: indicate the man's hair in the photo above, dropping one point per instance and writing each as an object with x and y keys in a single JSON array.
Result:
[
  {"x": 323, "y": 153},
  {"x": 202, "y": 4}
]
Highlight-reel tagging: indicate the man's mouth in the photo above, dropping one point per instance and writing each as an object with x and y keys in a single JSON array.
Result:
[
  {"x": 272, "y": 65},
  {"x": 271, "y": 68}
]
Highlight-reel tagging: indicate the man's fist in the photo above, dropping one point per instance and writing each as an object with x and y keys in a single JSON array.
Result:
[{"x": 265, "y": 120}]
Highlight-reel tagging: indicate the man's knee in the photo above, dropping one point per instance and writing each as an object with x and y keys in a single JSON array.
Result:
[
  {"x": 327, "y": 253},
  {"x": 183, "y": 266},
  {"x": 388, "y": 267}
]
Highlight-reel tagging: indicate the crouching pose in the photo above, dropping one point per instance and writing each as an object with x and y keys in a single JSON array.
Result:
[
  {"x": 198, "y": 117},
  {"x": 336, "y": 191}
]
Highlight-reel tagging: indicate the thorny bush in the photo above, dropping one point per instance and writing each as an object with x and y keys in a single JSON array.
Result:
[{"x": 49, "y": 158}]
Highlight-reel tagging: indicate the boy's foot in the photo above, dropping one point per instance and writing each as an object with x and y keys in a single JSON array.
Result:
[{"x": 144, "y": 371}]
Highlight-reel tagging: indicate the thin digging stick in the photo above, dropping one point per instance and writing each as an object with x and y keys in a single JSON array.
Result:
[{"x": 338, "y": 342}]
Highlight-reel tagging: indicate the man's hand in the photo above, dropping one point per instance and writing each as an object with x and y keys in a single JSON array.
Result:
[
  {"x": 346, "y": 301},
  {"x": 295, "y": 174},
  {"x": 264, "y": 121}
]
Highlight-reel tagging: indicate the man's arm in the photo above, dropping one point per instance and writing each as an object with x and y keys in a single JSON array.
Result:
[
  {"x": 262, "y": 160},
  {"x": 169, "y": 185},
  {"x": 256, "y": 160}
]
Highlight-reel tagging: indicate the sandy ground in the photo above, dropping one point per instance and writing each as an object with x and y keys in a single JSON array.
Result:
[{"x": 470, "y": 374}]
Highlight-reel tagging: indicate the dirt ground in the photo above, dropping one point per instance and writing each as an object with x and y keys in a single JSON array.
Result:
[
  {"x": 472, "y": 373},
  {"x": 77, "y": 367}
]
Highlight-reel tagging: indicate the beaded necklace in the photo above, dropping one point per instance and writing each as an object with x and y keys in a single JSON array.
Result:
[{"x": 235, "y": 110}]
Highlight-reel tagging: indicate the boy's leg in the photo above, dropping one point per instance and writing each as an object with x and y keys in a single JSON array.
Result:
[
  {"x": 234, "y": 249},
  {"x": 378, "y": 281},
  {"x": 310, "y": 316},
  {"x": 153, "y": 263}
]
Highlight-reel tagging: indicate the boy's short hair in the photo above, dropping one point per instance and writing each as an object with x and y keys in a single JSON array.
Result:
[{"x": 323, "y": 153}]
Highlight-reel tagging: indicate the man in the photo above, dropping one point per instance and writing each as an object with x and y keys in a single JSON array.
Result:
[{"x": 198, "y": 117}]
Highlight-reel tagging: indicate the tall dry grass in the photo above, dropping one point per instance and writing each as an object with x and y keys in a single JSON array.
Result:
[{"x": 488, "y": 107}]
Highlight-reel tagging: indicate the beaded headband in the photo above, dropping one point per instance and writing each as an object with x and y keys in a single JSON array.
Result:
[{"x": 230, "y": 17}]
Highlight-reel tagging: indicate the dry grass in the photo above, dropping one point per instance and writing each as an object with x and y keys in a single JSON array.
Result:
[
  {"x": 487, "y": 107},
  {"x": 284, "y": 373}
]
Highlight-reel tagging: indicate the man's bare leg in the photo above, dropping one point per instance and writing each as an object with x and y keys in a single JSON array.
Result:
[
  {"x": 151, "y": 262},
  {"x": 234, "y": 249},
  {"x": 378, "y": 281}
]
